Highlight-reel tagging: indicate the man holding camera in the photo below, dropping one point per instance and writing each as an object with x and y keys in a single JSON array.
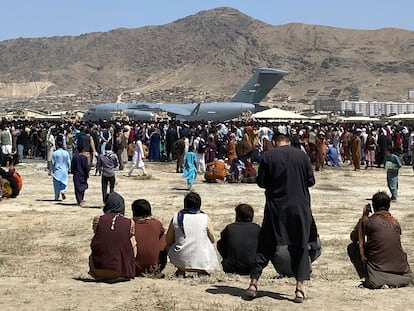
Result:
[{"x": 376, "y": 250}]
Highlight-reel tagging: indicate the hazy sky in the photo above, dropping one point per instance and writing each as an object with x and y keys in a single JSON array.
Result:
[{"x": 45, "y": 18}]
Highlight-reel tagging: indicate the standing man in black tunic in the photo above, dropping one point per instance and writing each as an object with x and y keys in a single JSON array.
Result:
[{"x": 286, "y": 174}]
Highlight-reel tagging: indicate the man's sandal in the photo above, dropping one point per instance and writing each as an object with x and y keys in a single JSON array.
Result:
[
  {"x": 251, "y": 293},
  {"x": 299, "y": 299}
]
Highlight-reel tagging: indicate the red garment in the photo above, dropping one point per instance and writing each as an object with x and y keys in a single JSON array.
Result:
[
  {"x": 398, "y": 141},
  {"x": 250, "y": 170},
  {"x": 112, "y": 249},
  {"x": 150, "y": 237}
]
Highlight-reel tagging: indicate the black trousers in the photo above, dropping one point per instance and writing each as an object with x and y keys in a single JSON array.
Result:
[
  {"x": 299, "y": 260},
  {"x": 79, "y": 195},
  {"x": 105, "y": 181},
  {"x": 5, "y": 159}
]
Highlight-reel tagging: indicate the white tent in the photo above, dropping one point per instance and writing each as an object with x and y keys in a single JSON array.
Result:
[
  {"x": 360, "y": 119},
  {"x": 278, "y": 114},
  {"x": 319, "y": 117},
  {"x": 404, "y": 116}
]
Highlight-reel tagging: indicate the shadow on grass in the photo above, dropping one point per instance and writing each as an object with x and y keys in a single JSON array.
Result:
[{"x": 240, "y": 292}]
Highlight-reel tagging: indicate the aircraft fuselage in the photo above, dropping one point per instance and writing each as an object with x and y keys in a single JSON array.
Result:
[{"x": 219, "y": 111}]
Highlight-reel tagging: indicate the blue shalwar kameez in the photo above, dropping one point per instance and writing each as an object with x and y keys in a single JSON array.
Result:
[{"x": 60, "y": 170}]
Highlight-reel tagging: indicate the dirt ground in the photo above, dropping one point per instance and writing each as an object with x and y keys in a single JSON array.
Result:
[{"x": 44, "y": 245}]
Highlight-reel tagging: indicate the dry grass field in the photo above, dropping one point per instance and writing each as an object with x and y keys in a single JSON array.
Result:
[{"x": 44, "y": 245}]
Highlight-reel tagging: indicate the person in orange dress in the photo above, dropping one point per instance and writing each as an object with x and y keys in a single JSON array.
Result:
[{"x": 320, "y": 151}]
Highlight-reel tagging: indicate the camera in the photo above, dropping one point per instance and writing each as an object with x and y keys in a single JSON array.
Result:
[{"x": 367, "y": 209}]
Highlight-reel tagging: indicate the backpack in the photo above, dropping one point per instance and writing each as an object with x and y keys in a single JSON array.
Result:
[{"x": 201, "y": 146}]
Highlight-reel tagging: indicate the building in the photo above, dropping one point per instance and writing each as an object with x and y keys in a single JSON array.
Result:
[
  {"x": 374, "y": 109},
  {"x": 363, "y": 108}
]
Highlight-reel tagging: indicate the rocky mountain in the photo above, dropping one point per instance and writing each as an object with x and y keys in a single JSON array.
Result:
[{"x": 214, "y": 51}]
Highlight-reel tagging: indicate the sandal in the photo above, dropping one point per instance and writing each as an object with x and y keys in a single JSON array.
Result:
[
  {"x": 299, "y": 299},
  {"x": 251, "y": 293}
]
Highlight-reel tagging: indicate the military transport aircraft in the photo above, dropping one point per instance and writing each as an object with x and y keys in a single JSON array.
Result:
[{"x": 245, "y": 100}]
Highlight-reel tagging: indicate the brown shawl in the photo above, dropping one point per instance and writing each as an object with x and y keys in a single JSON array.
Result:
[{"x": 361, "y": 232}]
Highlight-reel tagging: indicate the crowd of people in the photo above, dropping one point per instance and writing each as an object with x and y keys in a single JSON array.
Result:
[
  {"x": 219, "y": 151},
  {"x": 368, "y": 142},
  {"x": 325, "y": 144},
  {"x": 287, "y": 153}
]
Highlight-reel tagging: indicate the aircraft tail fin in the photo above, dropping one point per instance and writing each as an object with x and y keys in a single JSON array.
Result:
[
  {"x": 259, "y": 85},
  {"x": 195, "y": 110}
]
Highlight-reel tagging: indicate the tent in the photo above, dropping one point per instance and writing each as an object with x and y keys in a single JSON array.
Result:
[
  {"x": 278, "y": 114},
  {"x": 404, "y": 116},
  {"x": 319, "y": 117},
  {"x": 360, "y": 119}
]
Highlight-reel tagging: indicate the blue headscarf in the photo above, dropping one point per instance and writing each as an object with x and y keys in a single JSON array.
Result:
[{"x": 180, "y": 216}]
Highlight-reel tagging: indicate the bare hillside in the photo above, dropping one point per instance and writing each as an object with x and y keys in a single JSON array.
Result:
[{"x": 215, "y": 51}]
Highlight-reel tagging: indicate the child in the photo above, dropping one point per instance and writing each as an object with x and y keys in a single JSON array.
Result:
[
  {"x": 149, "y": 234},
  {"x": 238, "y": 242},
  {"x": 190, "y": 167},
  {"x": 392, "y": 164},
  {"x": 106, "y": 165}
]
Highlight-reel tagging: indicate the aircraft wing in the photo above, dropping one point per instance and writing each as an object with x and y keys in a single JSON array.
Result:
[
  {"x": 174, "y": 108},
  {"x": 143, "y": 106}
]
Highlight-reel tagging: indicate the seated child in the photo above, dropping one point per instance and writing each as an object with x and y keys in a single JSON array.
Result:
[
  {"x": 151, "y": 256},
  {"x": 238, "y": 242}
]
